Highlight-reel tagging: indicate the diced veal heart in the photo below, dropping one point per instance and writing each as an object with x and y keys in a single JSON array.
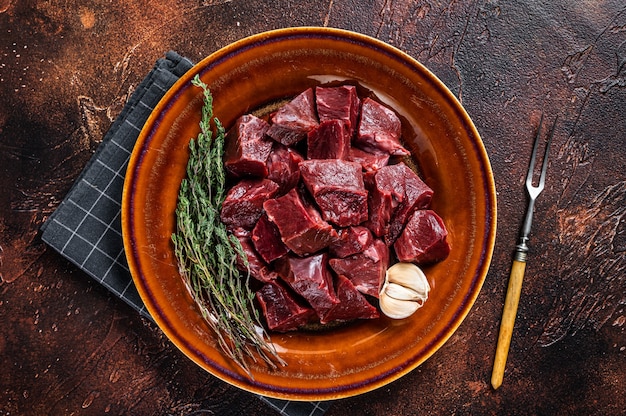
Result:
[
  {"x": 247, "y": 147},
  {"x": 282, "y": 312},
  {"x": 329, "y": 140},
  {"x": 365, "y": 270},
  {"x": 301, "y": 227},
  {"x": 379, "y": 129},
  {"x": 338, "y": 189},
  {"x": 338, "y": 103},
  {"x": 352, "y": 304},
  {"x": 243, "y": 204},
  {"x": 257, "y": 267},
  {"x": 424, "y": 239},
  {"x": 282, "y": 166},
  {"x": 395, "y": 191},
  {"x": 352, "y": 240},
  {"x": 292, "y": 122},
  {"x": 310, "y": 278},
  {"x": 266, "y": 240},
  {"x": 370, "y": 162},
  {"x": 416, "y": 195}
]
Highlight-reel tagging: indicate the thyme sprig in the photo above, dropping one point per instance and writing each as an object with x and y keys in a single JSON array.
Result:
[{"x": 206, "y": 252}]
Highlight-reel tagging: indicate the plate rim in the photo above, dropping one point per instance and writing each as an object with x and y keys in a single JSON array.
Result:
[{"x": 184, "y": 81}]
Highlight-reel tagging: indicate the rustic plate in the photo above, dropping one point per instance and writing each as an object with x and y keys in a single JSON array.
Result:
[{"x": 251, "y": 74}]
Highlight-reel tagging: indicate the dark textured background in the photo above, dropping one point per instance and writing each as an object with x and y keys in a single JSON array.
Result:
[{"x": 66, "y": 69}]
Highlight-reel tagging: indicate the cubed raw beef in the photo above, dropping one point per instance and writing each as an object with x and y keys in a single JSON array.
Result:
[
  {"x": 370, "y": 162},
  {"x": 424, "y": 239},
  {"x": 243, "y": 204},
  {"x": 282, "y": 166},
  {"x": 329, "y": 140},
  {"x": 255, "y": 264},
  {"x": 247, "y": 147},
  {"x": 266, "y": 240},
  {"x": 352, "y": 304},
  {"x": 301, "y": 227},
  {"x": 338, "y": 189},
  {"x": 395, "y": 191},
  {"x": 366, "y": 270},
  {"x": 379, "y": 129},
  {"x": 340, "y": 103},
  {"x": 292, "y": 122},
  {"x": 281, "y": 310},
  {"x": 352, "y": 240},
  {"x": 417, "y": 195},
  {"x": 310, "y": 278}
]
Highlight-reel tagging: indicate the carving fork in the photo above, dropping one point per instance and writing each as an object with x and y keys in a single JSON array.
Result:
[{"x": 519, "y": 262}]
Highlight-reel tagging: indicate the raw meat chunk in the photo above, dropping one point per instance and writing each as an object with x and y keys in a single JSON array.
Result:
[
  {"x": 310, "y": 278},
  {"x": 395, "y": 191},
  {"x": 293, "y": 121},
  {"x": 266, "y": 240},
  {"x": 329, "y": 140},
  {"x": 247, "y": 148},
  {"x": 338, "y": 103},
  {"x": 338, "y": 189},
  {"x": 352, "y": 304},
  {"x": 301, "y": 227},
  {"x": 370, "y": 162},
  {"x": 423, "y": 239},
  {"x": 243, "y": 204},
  {"x": 352, "y": 240},
  {"x": 281, "y": 310},
  {"x": 366, "y": 270},
  {"x": 282, "y": 166},
  {"x": 416, "y": 195},
  {"x": 257, "y": 267},
  {"x": 379, "y": 129}
]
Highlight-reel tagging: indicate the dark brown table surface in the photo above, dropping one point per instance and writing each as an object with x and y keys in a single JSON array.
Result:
[{"x": 67, "y": 346}]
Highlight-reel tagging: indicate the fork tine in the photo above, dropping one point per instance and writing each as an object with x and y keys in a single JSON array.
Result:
[
  {"x": 544, "y": 167},
  {"x": 533, "y": 157}
]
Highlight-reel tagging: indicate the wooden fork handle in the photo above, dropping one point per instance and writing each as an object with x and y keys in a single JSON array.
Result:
[{"x": 508, "y": 321}]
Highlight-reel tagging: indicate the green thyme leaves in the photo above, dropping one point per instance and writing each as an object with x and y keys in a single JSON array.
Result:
[{"x": 206, "y": 252}]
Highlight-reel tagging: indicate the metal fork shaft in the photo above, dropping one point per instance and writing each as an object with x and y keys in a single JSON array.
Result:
[{"x": 518, "y": 269}]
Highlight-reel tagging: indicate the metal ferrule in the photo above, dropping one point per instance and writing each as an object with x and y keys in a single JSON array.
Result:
[{"x": 521, "y": 250}]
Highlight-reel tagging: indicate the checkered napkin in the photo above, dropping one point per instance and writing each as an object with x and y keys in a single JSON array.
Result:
[{"x": 86, "y": 227}]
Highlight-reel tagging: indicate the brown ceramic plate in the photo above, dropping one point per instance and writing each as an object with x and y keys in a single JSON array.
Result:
[{"x": 252, "y": 74}]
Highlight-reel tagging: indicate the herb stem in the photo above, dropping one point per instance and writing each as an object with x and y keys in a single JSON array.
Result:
[{"x": 206, "y": 252}]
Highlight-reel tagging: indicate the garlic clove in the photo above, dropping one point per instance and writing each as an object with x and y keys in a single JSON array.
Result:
[
  {"x": 408, "y": 275},
  {"x": 398, "y": 292},
  {"x": 397, "y": 309},
  {"x": 404, "y": 291}
]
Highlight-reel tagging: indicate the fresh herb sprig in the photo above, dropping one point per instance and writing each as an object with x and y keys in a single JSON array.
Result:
[{"x": 207, "y": 253}]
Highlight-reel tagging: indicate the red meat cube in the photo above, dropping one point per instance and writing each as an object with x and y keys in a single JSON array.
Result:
[
  {"x": 282, "y": 166},
  {"x": 352, "y": 304},
  {"x": 329, "y": 140},
  {"x": 366, "y": 270},
  {"x": 293, "y": 121},
  {"x": 310, "y": 278},
  {"x": 247, "y": 147},
  {"x": 243, "y": 204},
  {"x": 379, "y": 129},
  {"x": 255, "y": 265},
  {"x": 424, "y": 239},
  {"x": 301, "y": 227},
  {"x": 370, "y": 162},
  {"x": 352, "y": 240},
  {"x": 266, "y": 240},
  {"x": 338, "y": 189},
  {"x": 338, "y": 103},
  {"x": 281, "y": 310}
]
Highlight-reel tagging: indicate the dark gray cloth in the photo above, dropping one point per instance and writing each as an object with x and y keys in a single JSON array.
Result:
[{"x": 86, "y": 227}]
